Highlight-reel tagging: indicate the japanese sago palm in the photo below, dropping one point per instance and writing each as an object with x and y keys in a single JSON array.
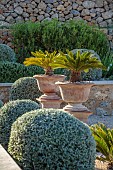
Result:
[
  {"x": 77, "y": 63},
  {"x": 104, "y": 142}
]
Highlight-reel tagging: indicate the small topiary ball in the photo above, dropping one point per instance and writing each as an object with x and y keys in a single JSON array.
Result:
[
  {"x": 50, "y": 139},
  {"x": 25, "y": 88},
  {"x": 9, "y": 113},
  {"x": 7, "y": 53}
]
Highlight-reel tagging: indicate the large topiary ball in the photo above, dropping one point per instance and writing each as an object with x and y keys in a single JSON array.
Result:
[
  {"x": 25, "y": 88},
  {"x": 7, "y": 53},
  {"x": 9, "y": 113},
  {"x": 50, "y": 139}
]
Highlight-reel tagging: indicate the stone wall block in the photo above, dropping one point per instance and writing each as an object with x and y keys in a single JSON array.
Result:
[
  {"x": 99, "y": 3},
  {"x": 18, "y": 10},
  {"x": 42, "y": 5},
  {"x": 89, "y": 4},
  {"x": 107, "y": 15}
]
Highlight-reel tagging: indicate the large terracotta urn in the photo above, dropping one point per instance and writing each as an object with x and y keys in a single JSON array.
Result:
[
  {"x": 46, "y": 84},
  {"x": 75, "y": 94}
]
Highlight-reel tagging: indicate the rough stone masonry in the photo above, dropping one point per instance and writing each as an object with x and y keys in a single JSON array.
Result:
[{"x": 98, "y": 12}]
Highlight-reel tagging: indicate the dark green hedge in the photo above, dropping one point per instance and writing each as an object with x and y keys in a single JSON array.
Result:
[
  {"x": 55, "y": 35},
  {"x": 10, "y": 72}
]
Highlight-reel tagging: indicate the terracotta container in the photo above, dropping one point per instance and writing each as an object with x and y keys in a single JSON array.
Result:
[
  {"x": 46, "y": 84},
  {"x": 75, "y": 94}
]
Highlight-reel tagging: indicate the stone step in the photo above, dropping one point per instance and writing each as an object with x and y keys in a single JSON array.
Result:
[{"x": 6, "y": 162}]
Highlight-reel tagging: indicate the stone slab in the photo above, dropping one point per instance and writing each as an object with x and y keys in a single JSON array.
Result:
[{"x": 6, "y": 162}]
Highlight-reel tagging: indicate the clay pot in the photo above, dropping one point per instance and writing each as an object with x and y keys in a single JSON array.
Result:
[
  {"x": 75, "y": 94},
  {"x": 46, "y": 84}
]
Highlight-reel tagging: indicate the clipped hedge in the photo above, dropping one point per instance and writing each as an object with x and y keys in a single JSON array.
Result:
[
  {"x": 25, "y": 88},
  {"x": 9, "y": 113},
  {"x": 50, "y": 139},
  {"x": 55, "y": 35},
  {"x": 7, "y": 53},
  {"x": 10, "y": 72}
]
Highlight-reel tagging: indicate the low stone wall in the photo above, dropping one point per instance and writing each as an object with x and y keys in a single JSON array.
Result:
[
  {"x": 100, "y": 101},
  {"x": 4, "y": 91},
  {"x": 95, "y": 12}
]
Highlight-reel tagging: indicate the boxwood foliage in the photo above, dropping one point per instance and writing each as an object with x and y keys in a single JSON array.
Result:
[
  {"x": 10, "y": 72},
  {"x": 9, "y": 113},
  {"x": 51, "y": 139},
  {"x": 25, "y": 88},
  {"x": 7, "y": 53}
]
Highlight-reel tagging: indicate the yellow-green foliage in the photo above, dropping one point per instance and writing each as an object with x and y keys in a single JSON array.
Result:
[
  {"x": 104, "y": 141},
  {"x": 44, "y": 60}
]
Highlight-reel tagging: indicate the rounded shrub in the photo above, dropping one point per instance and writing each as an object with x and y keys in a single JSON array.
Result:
[
  {"x": 25, "y": 88},
  {"x": 9, "y": 113},
  {"x": 52, "y": 35},
  {"x": 51, "y": 139},
  {"x": 7, "y": 53},
  {"x": 10, "y": 72}
]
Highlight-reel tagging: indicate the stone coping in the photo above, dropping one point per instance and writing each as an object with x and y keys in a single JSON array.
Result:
[
  {"x": 103, "y": 82},
  {"x": 6, "y": 162},
  {"x": 6, "y": 84}
]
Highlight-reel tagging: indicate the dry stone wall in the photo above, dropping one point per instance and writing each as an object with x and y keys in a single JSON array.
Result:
[{"x": 98, "y": 12}]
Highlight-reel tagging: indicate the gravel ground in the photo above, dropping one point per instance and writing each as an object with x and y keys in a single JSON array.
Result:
[{"x": 107, "y": 120}]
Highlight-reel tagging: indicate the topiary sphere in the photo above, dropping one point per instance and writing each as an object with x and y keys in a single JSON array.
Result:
[
  {"x": 25, "y": 88},
  {"x": 51, "y": 139},
  {"x": 7, "y": 53},
  {"x": 9, "y": 113}
]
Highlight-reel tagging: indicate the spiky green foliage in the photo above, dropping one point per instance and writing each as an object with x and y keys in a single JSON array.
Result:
[
  {"x": 7, "y": 53},
  {"x": 52, "y": 139},
  {"x": 25, "y": 88},
  {"x": 104, "y": 141},
  {"x": 9, "y": 113},
  {"x": 77, "y": 62},
  {"x": 44, "y": 60}
]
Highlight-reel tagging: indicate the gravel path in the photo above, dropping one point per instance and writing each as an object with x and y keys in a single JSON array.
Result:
[{"x": 107, "y": 120}]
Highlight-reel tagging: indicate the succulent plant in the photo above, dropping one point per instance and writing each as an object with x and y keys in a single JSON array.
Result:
[
  {"x": 7, "y": 53},
  {"x": 51, "y": 139},
  {"x": 9, "y": 113}
]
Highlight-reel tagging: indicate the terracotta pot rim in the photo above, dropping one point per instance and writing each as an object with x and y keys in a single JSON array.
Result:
[
  {"x": 47, "y": 76},
  {"x": 76, "y": 83}
]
